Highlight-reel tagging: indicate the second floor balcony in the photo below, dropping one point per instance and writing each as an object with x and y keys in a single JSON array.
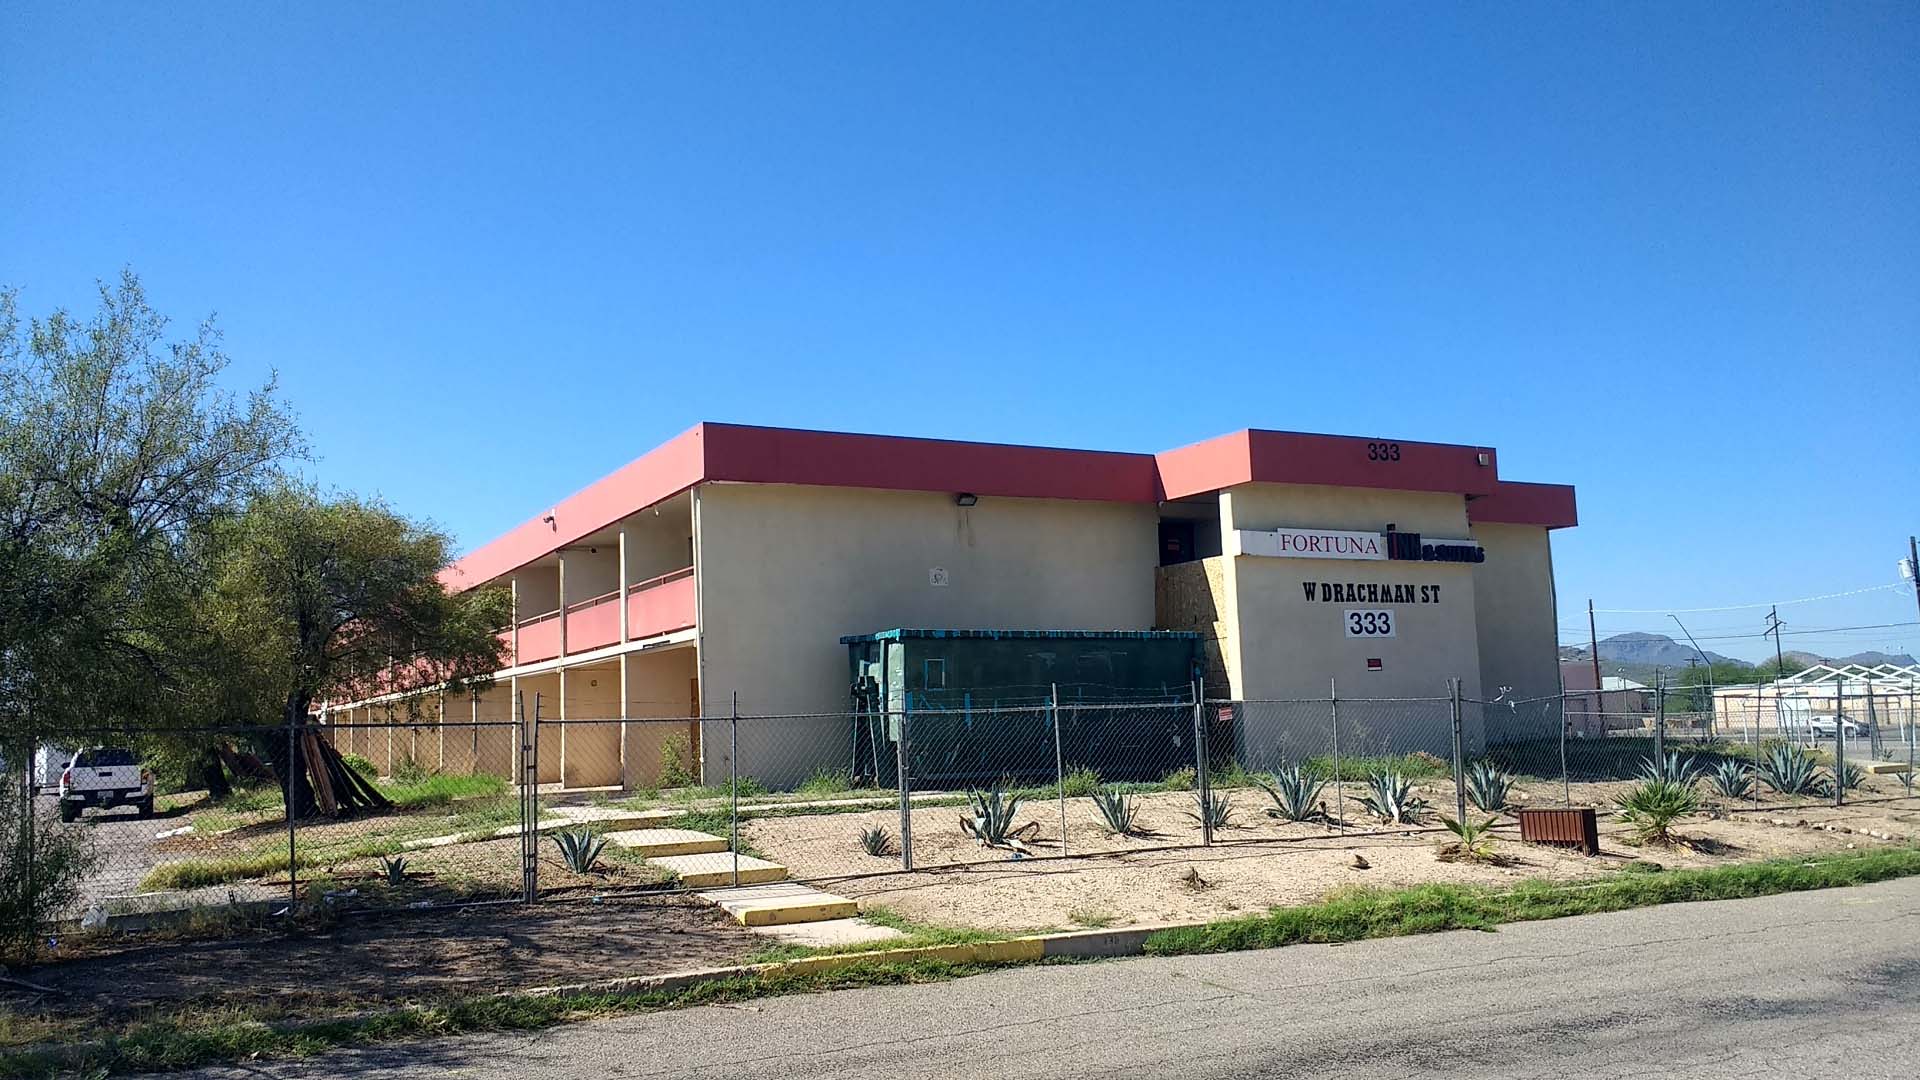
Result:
[{"x": 659, "y": 605}]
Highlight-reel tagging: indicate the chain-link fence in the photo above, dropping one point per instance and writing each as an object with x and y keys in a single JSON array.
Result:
[{"x": 450, "y": 807}]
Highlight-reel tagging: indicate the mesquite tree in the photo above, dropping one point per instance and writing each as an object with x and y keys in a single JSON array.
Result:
[
  {"x": 117, "y": 448},
  {"x": 339, "y": 598}
]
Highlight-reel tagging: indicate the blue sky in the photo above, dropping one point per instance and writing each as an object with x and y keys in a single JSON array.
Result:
[{"x": 1667, "y": 253}]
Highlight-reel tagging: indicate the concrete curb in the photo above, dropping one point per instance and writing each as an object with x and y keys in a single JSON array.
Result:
[{"x": 1072, "y": 944}]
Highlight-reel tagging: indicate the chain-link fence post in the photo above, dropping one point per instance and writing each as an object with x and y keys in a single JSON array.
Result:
[
  {"x": 1203, "y": 793},
  {"x": 1566, "y": 781},
  {"x": 1339, "y": 790},
  {"x": 1874, "y": 747},
  {"x": 902, "y": 756},
  {"x": 1059, "y": 765},
  {"x": 530, "y": 800},
  {"x": 1660, "y": 719},
  {"x": 292, "y": 801},
  {"x": 733, "y": 782},
  {"x": 1459, "y": 753},
  {"x": 1840, "y": 741}
]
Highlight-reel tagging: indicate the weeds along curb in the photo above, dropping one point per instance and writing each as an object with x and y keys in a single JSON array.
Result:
[{"x": 1372, "y": 913}]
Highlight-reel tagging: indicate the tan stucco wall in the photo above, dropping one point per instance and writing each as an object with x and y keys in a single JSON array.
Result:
[
  {"x": 785, "y": 571},
  {"x": 659, "y": 545},
  {"x": 1287, "y": 647},
  {"x": 1513, "y": 599},
  {"x": 659, "y": 684},
  {"x": 590, "y": 736}
]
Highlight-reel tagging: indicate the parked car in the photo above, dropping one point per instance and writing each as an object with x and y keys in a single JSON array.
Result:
[
  {"x": 105, "y": 777},
  {"x": 1825, "y": 727}
]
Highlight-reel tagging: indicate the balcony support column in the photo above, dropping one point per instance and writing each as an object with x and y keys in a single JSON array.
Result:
[
  {"x": 562, "y": 556},
  {"x": 623, "y": 607},
  {"x": 513, "y": 604}
]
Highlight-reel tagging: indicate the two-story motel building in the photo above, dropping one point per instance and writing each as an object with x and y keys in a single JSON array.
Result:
[{"x": 731, "y": 561}]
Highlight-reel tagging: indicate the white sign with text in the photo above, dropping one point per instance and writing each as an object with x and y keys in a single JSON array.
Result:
[{"x": 1307, "y": 544}]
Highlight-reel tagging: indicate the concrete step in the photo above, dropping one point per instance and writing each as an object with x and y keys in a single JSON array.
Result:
[
  {"x": 593, "y": 817},
  {"x": 781, "y": 904},
  {"x": 654, "y": 843},
  {"x": 830, "y": 933},
  {"x": 714, "y": 870}
]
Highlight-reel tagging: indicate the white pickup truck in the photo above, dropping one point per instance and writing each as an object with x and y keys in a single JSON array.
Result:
[{"x": 105, "y": 777}]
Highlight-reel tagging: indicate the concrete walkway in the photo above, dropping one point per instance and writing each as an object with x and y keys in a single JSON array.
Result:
[{"x": 1822, "y": 984}]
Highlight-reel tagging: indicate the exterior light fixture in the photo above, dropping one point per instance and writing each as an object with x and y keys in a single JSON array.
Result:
[
  {"x": 965, "y": 498},
  {"x": 1484, "y": 460}
]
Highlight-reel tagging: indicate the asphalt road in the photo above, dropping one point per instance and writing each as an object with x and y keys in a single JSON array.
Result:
[{"x": 1823, "y": 984}]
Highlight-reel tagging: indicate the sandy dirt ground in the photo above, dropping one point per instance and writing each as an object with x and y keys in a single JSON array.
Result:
[
  {"x": 1256, "y": 864},
  {"x": 366, "y": 961}
]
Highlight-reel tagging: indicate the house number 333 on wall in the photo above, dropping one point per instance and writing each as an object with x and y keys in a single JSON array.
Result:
[{"x": 1369, "y": 622}]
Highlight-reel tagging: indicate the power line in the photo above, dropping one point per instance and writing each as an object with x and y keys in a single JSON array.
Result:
[
  {"x": 1749, "y": 607},
  {"x": 1789, "y": 633}
]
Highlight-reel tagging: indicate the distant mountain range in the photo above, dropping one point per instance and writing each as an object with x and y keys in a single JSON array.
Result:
[
  {"x": 1644, "y": 650},
  {"x": 1637, "y": 656}
]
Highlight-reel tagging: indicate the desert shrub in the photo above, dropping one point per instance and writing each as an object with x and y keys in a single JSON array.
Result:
[
  {"x": 41, "y": 876},
  {"x": 1079, "y": 782},
  {"x": 1471, "y": 843},
  {"x": 676, "y": 762},
  {"x": 1180, "y": 779},
  {"x": 1652, "y": 806},
  {"x": 409, "y": 772},
  {"x": 826, "y": 780}
]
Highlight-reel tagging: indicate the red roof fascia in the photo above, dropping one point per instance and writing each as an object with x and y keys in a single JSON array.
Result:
[
  {"x": 1515, "y": 503},
  {"x": 763, "y": 455},
  {"x": 1291, "y": 457}
]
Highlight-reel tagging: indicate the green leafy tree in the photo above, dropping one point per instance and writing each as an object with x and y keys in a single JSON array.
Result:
[
  {"x": 339, "y": 598},
  {"x": 117, "y": 446}
]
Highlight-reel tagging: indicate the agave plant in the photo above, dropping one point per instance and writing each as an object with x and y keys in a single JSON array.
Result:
[
  {"x": 1472, "y": 843},
  {"x": 1116, "y": 809},
  {"x": 1789, "y": 770},
  {"x": 1732, "y": 779},
  {"x": 1672, "y": 768},
  {"x": 1389, "y": 797},
  {"x": 1295, "y": 793},
  {"x": 1652, "y": 806},
  {"x": 1487, "y": 786},
  {"x": 1850, "y": 776},
  {"x": 579, "y": 849},
  {"x": 1212, "y": 809},
  {"x": 990, "y": 819},
  {"x": 395, "y": 867},
  {"x": 876, "y": 841}
]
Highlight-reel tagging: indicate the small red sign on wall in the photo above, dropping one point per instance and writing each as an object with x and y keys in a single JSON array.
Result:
[{"x": 1373, "y": 663}]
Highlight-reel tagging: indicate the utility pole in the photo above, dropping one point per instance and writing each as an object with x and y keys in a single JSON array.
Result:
[
  {"x": 1913, "y": 567},
  {"x": 1779, "y": 665},
  {"x": 1593, "y": 648},
  {"x": 1773, "y": 631}
]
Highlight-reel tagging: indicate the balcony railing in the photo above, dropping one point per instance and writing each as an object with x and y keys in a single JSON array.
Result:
[{"x": 656, "y": 606}]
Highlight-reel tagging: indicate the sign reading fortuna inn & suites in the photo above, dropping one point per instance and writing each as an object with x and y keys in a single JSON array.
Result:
[{"x": 1334, "y": 544}]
